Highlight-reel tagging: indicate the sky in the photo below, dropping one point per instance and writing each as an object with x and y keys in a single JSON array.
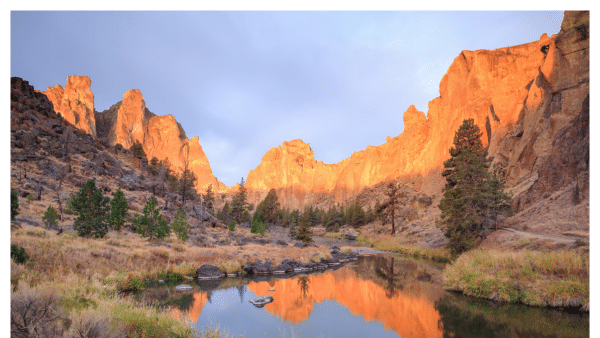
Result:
[{"x": 244, "y": 82}]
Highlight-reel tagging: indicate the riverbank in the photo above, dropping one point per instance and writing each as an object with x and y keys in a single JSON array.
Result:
[
  {"x": 535, "y": 278},
  {"x": 83, "y": 279}
]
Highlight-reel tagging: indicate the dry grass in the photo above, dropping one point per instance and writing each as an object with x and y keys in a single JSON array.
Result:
[
  {"x": 533, "y": 278},
  {"x": 394, "y": 244}
]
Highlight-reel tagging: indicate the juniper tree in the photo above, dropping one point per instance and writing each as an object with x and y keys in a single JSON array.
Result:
[
  {"x": 91, "y": 209},
  {"x": 14, "y": 204},
  {"x": 151, "y": 224},
  {"x": 303, "y": 232},
  {"x": 118, "y": 210},
  {"x": 268, "y": 209},
  {"x": 209, "y": 200},
  {"x": 239, "y": 204},
  {"x": 50, "y": 217},
  {"x": 180, "y": 225},
  {"x": 473, "y": 196}
]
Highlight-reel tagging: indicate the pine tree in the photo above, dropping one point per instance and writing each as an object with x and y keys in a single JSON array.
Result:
[
  {"x": 180, "y": 225},
  {"x": 239, "y": 204},
  {"x": 51, "y": 217},
  {"x": 269, "y": 208},
  {"x": 473, "y": 197},
  {"x": 225, "y": 213},
  {"x": 14, "y": 204},
  {"x": 209, "y": 200},
  {"x": 257, "y": 227},
  {"x": 303, "y": 233},
  {"x": 91, "y": 209},
  {"x": 151, "y": 224},
  {"x": 138, "y": 149},
  {"x": 294, "y": 220},
  {"x": 118, "y": 210}
]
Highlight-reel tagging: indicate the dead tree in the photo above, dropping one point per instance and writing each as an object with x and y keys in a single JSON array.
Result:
[{"x": 59, "y": 176}]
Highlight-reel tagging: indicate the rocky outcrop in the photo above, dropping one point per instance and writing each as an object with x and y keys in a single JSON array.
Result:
[
  {"x": 129, "y": 121},
  {"x": 75, "y": 103},
  {"x": 526, "y": 99}
]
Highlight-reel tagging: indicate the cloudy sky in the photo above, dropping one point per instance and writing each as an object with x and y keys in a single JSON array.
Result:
[{"x": 244, "y": 82}]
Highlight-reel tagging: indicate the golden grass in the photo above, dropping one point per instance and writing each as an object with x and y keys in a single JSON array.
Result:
[
  {"x": 529, "y": 277},
  {"x": 393, "y": 244}
]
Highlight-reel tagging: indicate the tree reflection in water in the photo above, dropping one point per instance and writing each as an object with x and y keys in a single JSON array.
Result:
[{"x": 241, "y": 290}]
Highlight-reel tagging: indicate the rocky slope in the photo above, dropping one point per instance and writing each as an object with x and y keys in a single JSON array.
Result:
[
  {"x": 129, "y": 121},
  {"x": 531, "y": 102}
]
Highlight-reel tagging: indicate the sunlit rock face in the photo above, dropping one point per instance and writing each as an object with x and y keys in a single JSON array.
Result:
[
  {"x": 521, "y": 97},
  {"x": 161, "y": 136},
  {"x": 75, "y": 102}
]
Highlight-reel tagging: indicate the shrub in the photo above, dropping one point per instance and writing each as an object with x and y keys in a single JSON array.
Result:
[
  {"x": 51, "y": 217},
  {"x": 231, "y": 225},
  {"x": 29, "y": 198},
  {"x": 180, "y": 225},
  {"x": 93, "y": 323},
  {"x": 33, "y": 314},
  {"x": 18, "y": 254},
  {"x": 151, "y": 224},
  {"x": 14, "y": 203}
]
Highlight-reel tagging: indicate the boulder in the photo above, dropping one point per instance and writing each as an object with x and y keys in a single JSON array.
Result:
[
  {"x": 207, "y": 271},
  {"x": 300, "y": 245},
  {"x": 261, "y": 301},
  {"x": 257, "y": 269},
  {"x": 280, "y": 242},
  {"x": 335, "y": 247}
]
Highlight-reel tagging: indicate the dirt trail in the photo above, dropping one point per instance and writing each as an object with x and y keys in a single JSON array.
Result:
[{"x": 558, "y": 239}]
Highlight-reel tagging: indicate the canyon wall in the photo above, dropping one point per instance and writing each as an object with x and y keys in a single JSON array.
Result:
[{"x": 526, "y": 100}]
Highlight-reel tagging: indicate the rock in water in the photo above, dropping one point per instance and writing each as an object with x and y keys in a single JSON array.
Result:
[
  {"x": 183, "y": 287},
  {"x": 261, "y": 301},
  {"x": 207, "y": 271}
]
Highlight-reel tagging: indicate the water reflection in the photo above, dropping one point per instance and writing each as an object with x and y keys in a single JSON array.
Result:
[{"x": 399, "y": 295}]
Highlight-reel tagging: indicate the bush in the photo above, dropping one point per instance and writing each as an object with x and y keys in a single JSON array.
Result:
[
  {"x": 29, "y": 198},
  {"x": 33, "y": 314},
  {"x": 18, "y": 254},
  {"x": 14, "y": 203},
  {"x": 51, "y": 217},
  {"x": 93, "y": 323},
  {"x": 231, "y": 225}
]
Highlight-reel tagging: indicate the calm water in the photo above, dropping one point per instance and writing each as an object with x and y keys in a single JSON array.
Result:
[{"x": 379, "y": 296}]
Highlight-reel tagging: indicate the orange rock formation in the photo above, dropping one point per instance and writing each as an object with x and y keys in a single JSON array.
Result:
[
  {"x": 161, "y": 136},
  {"x": 520, "y": 97},
  {"x": 75, "y": 102}
]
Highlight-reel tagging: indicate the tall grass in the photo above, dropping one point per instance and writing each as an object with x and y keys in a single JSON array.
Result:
[{"x": 529, "y": 277}]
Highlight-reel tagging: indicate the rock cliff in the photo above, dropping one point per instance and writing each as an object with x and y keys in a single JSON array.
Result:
[
  {"x": 530, "y": 101},
  {"x": 75, "y": 102},
  {"x": 162, "y": 137}
]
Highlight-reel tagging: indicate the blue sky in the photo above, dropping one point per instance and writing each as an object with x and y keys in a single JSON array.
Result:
[{"x": 244, "y": 82}]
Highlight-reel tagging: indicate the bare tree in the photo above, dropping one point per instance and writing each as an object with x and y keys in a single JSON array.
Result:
[{"x": 59, "y": 176}]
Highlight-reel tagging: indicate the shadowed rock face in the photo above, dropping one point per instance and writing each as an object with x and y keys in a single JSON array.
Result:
[
  {"x": 521, "y": 97},
  {"x": 75, "y": 102}
]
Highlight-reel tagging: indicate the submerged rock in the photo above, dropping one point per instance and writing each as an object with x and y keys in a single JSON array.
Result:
[
  {"x": 183, "y": 287},
  {"x": 261, "y": 301}
]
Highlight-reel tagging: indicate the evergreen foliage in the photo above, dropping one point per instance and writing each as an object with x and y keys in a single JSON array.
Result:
[
  {"x": 231, "y": 225},
  {"x": 257, "y": 227},
  {"x": 294, "y": 221},
  {"x": 333, "y": 220},
  {"x": 180, "y": 225},
  {"x": 151, "y": 224},
  {"x": 18, "y": 254},
  {"x": 138, "y": 149},
  {"x": 268, "y": 209},
  {"x": 118, "y": 210},
  {"x": 225, "y": 213},
  {"x": 91, "y": 209},
  {"x": 51, "y": 217},
  {"x": 239, "y": 204},
  {"x": 14, "y": 203},
  {"x": 303, "y": 233},
  {"x": 473, "y": 196},
  {"x": 209, "y": 200}
]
